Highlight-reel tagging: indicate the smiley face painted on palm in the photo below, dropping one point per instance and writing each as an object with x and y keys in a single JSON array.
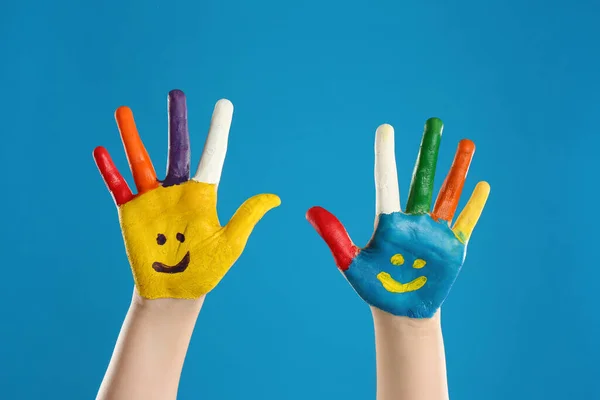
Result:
[
  {"x": 181, "y": 266},
  {"x": 409, "y": 266},
  {"x": 413, "y": 258},
  {"x": 174, "y": 242}
]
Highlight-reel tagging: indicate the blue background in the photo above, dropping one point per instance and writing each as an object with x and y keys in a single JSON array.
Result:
[{"x": 310, "y": 81}]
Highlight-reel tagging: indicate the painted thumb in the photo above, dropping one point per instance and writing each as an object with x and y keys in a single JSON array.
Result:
[
  {"x": 334, "y": 234},
  {"x": 248, "y": 214}
]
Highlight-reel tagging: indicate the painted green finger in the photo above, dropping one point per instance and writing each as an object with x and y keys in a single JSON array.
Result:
[{"x": 421, "y": 186}]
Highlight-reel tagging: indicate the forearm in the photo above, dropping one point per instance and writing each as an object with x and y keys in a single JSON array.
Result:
[
  {"x": 411, "y": 364},
  {"x": 150, "y": 351}
]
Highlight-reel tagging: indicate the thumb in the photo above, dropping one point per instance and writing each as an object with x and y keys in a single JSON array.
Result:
[
  {"x": 240, "y": 226},
  {"x": 334, "y": 234}
]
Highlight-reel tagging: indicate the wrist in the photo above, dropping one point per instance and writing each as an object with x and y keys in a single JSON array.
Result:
[
  {"x": 405, "y": 326},
  {"x": 166, "y": 307},
  {"x": 151, "y": 349},
  {"x": 410, "y": 357}
]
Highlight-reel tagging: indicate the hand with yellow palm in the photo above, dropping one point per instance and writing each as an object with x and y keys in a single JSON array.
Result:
[{"x": 175, "y": 244}]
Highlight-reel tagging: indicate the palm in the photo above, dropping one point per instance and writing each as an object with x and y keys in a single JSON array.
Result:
[
  {"x": 173, "y": 238},
  {"x": 409, "y": 255},
  {"x": 413, "y": 258}
]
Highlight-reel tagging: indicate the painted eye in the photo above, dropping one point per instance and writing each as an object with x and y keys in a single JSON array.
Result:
[
  {"x": 397, "y": 259},
  {"x": 419, "y": 263},
  {"x": 161, "y": 239},
  {"x": 180, "y": 237}
]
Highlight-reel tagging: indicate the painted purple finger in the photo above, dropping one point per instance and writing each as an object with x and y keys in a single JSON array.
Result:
[{"x": 178, "y": 164}]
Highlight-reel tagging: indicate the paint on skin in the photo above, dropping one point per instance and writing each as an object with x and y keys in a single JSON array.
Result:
[
  {"x": 179, "y": 267},
  {"x": 413, "y": 258},
  {"x": 115, "y": 183},
  {"x": 178, "y": 164},
  {"x": 188, "y": 267},
  {"x": 165, "y": 271},
  {"x": 410, "y": 263},
  {"x": 335, "y": 235},
  {"x": 397, "y": 259},
  {"x": 447, "y": 201},
  {"x": 141, "y": 166},
  {"x": 432, "y": 255},
  {"x": 466, "y": 221},
  {"x": 421, "y": 185},
  {"x": 162, "y": 239},
  {"x": 392, "y": 285}
]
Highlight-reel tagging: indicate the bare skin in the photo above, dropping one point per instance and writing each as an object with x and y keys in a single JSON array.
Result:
[
  {"x": 411, "y": 364},
  {"x": 148, "y": 357}
]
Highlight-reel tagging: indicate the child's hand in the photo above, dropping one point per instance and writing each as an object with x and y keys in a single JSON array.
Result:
[
  {"x": 175, "y": 244},
  {"x": 413, "y": 258}
]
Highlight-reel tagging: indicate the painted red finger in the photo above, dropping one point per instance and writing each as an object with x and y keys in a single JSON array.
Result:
[
  {"x": 334, "y": 234},
  {"x": 117, "y": 186}
]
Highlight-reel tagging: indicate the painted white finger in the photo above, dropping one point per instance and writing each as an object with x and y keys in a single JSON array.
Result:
[
  {"x": 215, "y": 148},
  {"x": 386, "y": 177}
]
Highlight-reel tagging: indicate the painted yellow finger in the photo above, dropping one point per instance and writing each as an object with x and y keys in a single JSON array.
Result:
[
  {"x": 466, "y": 221},
  {"x": 247, "y": 216}
]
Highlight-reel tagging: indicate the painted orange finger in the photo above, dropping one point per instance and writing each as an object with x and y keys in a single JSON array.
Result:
[
  {"x": 143, "y": 172},
  {"x": 117, "y": 186},
  {"x": 447, "y": 201}
]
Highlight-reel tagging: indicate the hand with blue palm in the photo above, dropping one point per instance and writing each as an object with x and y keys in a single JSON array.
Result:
[{"x": 411, "y": 262}]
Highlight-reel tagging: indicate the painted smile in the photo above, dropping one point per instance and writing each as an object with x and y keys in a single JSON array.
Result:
[
  {"x": 392, "y": 285},
  {"x": 180, "y": 267}
]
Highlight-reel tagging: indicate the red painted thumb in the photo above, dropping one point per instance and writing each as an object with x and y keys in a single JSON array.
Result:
[{"x": 334, "y": 234}]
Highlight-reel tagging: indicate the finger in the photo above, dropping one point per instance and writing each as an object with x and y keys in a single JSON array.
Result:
[
  {"x": 178, "y": 164},
  {"x": 386, "y": 178},
  {"x": 117, "y": 186},
  {"x": 215, "y": 148},
  {"x": 421, "y": 186},
  {"x": 143, "y": 172},
  {"x": 246, "y": 217},
  {"x": 466, "y": 221},
  {"x": 447, "y": 201},
  {"x": 334, "y": 234}
]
